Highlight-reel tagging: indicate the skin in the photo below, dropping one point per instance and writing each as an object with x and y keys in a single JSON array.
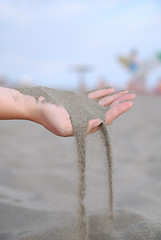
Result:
[{"x": 14, "y": 105}]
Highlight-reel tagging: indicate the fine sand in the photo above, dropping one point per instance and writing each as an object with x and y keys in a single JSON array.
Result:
[
  {"x": 38, "y": 180},
  {"x": 81, "y": 109}
]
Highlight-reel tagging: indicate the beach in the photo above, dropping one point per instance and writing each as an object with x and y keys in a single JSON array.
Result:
[{"x": 39, "y": 176}]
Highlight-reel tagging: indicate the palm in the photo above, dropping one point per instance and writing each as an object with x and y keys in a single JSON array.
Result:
[{"x": 57, "y": 120}]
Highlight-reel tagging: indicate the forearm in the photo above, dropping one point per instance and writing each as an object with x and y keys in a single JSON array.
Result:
[{"x": 14, "y": 105}]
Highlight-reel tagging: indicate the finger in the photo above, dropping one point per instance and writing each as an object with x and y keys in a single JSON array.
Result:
[
  {"x": 93, "y": 125},
  {"x": 100, "y": 93},
  {"x": 111, "y": 115},
  {"x": 110, "y": 99},
  {"x": 128, "y": 96},
  {"x": 117, "y": 110}
]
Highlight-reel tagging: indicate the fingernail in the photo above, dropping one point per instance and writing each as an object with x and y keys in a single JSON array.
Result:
[
  {"x": 131, "y": 94},
  {"x": 124, "y": 91},
  {"x": 127, "y": 100}
]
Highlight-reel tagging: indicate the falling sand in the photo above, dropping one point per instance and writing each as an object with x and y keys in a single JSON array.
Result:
[
  {"x": 81, "y": 109},
  {"x": 23, "y": 223}
]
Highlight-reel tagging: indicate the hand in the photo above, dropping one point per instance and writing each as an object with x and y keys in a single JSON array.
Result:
[{"x": 57, "y": 120}]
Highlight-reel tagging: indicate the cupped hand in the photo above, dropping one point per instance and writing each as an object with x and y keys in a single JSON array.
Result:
[{"x": 57, "y": 120}]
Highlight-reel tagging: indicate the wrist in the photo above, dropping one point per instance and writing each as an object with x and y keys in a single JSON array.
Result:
[
  {"x": 21, "y": 106},
  {"x": 15, "y": 105},
  {"x": 30, "y": 108}
]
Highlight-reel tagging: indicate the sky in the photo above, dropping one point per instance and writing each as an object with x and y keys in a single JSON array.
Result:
[{"x": 42, "y": 40}]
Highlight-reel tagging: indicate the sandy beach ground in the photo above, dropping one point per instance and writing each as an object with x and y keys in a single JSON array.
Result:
[{"x": 38, "y": 171}]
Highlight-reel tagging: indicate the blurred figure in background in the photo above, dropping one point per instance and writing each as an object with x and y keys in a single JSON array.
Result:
[
  {"x": 139, "y": 70},
  {"x": 102, "y": 83},
  {"x": 158, "y": 87}
]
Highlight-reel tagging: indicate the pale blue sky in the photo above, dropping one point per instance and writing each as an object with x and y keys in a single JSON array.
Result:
[{"x": 42, "y": 39}]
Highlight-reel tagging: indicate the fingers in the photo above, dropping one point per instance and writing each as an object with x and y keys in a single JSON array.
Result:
[
  {"x": 119, "y": 102},
  {"x": 110, "y": 116},
  {"x": 117, "y": 110},
  {"x": 128, "y": 96},
  {"x": 100, "y": 93},
  {"x": 110, "y": 99}
]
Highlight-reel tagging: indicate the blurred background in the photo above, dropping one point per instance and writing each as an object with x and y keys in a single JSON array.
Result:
[{"x": 81, "y": 44}]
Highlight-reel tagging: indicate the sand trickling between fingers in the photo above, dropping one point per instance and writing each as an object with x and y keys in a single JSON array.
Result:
[
  {"x": 107, "y": 142},
  {"x": 81, "y": 109},
  {"x": 43, "y": 189}
]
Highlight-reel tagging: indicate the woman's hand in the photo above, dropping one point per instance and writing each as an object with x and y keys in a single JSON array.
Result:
[
  {"x": 57, "y": 120},
  {"x": 15, "y": 105}
]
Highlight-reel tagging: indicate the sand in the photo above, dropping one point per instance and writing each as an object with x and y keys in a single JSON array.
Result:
[
  {"x": 81, "y": 109},
  {"x": 38, "y": 180}
]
